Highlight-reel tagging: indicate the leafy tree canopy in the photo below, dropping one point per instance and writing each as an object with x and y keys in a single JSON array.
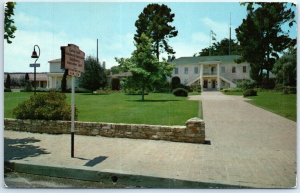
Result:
[
  {"x": 155, "y": 22},
  {"x": 285, "y": 68},
  {"x": 9, "y": 27},
  {"x": 94, "y": 76},
  {"x": 262, "y": 37},
  {"x": 221, "y": 48},
  {"x": 144, "y": 66}
]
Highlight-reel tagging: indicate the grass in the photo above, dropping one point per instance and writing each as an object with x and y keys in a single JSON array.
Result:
[
  {"x": 158, "y": 108},
  {"x": 276, "y": 102}
]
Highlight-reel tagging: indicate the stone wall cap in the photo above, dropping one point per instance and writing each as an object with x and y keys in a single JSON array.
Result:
[{"x": 194, "y": 120}]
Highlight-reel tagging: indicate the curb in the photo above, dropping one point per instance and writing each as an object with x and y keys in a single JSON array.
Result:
[{"x": 130, "y": 180}]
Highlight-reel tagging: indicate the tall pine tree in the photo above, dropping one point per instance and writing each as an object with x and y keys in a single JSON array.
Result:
[
  {"x": 262, "y": 37},
  {"x": 155, "y": 22}
]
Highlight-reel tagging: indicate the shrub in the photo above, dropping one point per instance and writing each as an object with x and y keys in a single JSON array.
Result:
[
  {"x": 245, "y": 84},
  {"x": 45, "y": 106},
  {"x": 279, "y": 87},
  {"x": 268, "y": 83},
  {"x": 196, "y": 88},
  {"x": 250, "y": 92},
  {"x": 7, "y": 90},
  {"x": 132, "y": 91},
  {"x": 180, "y": 92},
  {"x": 289, "y": 90},
  {"x": 226, "y": 90}
]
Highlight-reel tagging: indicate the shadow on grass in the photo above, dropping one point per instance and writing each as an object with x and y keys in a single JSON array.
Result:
[
  {"x": 153, "y": 101},
  {"x": 15, "y": 149}
]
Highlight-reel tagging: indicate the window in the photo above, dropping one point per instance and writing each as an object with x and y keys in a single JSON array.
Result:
[
  {"x": 222, "y": 69},
  {"x": 196, "y": 70},
  {"x": 176, "y": 71},
  {"x": 233, "y": 69},
  {"x": 244, "y": 69},
  {"x": 186, "y": 70}
]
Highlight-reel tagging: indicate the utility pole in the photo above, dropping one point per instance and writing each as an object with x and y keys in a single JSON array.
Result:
[{"x": 97, "y": 52}]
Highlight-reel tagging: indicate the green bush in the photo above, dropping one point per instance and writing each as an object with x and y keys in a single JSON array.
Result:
[
  {"x": 7, "y": 90},
  {"x": 45, "y": 106},
  {"x": 132, "y": 91},
  {"x": 226, "y": 90},
  {"x": 180, "y": 92},
  {"x": 196, "y": 88},
  {"x": 268, "y": 83},
  {"x": 250, "y": 92},
  {"x": 245, "y": 84},
  {"x": 289, "y": 90}
]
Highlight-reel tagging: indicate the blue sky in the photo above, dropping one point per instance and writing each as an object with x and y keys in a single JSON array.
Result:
[{"x": 52, "y": 24}]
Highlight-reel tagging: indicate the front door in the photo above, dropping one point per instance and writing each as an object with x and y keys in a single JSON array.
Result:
[
  {"x": 205, "y": 84},
  {"x": 213, "y": 84}
]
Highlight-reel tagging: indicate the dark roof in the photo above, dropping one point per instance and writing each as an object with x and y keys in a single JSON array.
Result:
[
  {"x": 198, "y": 59},
  {"x": 55, "y": 60}
]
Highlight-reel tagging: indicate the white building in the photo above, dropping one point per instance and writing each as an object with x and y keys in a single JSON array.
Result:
[
  {"x": 55, "y": 75},
  {"x": 211, "y": 72}
]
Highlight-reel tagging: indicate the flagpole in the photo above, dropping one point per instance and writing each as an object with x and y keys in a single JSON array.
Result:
[{"x": 210, "y": 42}]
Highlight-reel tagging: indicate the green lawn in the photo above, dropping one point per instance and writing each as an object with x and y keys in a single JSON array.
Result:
[
  {"x": 158, "y": 108},
  {"x": 276, "y": 102}
]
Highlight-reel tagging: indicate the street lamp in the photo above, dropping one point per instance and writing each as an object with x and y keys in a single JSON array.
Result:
[{"x": 35, "y": 55}]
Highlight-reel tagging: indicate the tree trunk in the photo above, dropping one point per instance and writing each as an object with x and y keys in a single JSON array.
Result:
[
  {"x": 64, "y": 81},
  {"x": 157, "y": 50},
  {"x": 143, "y": 92}
]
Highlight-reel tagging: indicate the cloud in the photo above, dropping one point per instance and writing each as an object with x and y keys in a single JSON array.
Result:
[
  {"x": 200, "y": 37},
  {"x": 220, "y": 28},
  {"x": 31, "y": 22}
]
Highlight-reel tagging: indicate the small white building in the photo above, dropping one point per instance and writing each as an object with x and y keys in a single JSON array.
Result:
[
  {"x": 55, "y": 75},
  {"x": 211, "y": 72}
]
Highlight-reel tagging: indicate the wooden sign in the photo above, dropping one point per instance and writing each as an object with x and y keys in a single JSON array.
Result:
[
  {"x": 74, "y": 73},
  {"x": 72, "y": 58}
]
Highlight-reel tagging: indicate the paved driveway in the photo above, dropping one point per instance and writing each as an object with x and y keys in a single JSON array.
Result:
[{"x": 251, "y": 144}]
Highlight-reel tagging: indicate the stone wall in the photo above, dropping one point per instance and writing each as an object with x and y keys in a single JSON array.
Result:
[{"x": 193, "y": 132}]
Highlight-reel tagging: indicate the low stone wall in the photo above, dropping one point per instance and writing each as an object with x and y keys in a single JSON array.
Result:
[{"x": 193, "y": 132}]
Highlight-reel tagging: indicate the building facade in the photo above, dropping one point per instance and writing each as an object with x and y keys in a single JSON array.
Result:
[
  {"x": 55, "y": 75},
  {"x": 211, "y": 72}
]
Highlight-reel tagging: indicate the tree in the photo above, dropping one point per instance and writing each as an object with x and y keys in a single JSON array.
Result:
[
  {"x": 221, "y": 48},
  {"x": 28, "y": 86},
  {"x": 9, "y": 27},
  {"x": 94, "y": 76},
  {"x": 64, "y": 81},
  {"x": 115, "y": 69},
  {"x": 262, "y": 37},
  {"x": 7, "y": 82},
  {"x": 154, "y": 23},
  {"x": 285, "y": 68},
  {"x": 144, "y": 66}
]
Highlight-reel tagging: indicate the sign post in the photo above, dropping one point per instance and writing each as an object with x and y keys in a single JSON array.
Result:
[{"x": 72, "y": 58}]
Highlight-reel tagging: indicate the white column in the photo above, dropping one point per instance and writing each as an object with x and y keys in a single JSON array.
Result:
[
  {"x": 55, "y": 79},
  {"x": 218, "y": 76},
  {"x": 201, "y": 76}
]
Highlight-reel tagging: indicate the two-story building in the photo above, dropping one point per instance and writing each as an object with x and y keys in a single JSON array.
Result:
[
  {"x": 211, "y": 72},
  {"x": 55, "y": 75}
]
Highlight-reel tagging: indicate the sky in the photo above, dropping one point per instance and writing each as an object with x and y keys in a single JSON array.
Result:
[{"x": 51, "y": 25}]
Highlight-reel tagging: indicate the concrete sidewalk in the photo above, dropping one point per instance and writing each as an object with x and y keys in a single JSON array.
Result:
[{"x": 249, "y": 147}]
